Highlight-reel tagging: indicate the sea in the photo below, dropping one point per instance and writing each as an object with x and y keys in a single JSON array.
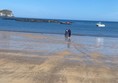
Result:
[{"x": 78, "y": 27}]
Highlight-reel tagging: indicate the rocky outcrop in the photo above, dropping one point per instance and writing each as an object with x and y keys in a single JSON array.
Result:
[{"x": 6, "y": 13}]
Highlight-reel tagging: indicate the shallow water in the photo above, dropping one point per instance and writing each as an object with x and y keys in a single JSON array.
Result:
[{"x": 54, "y": 43}]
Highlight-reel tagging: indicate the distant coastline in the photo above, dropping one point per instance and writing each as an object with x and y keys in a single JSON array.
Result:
[
  {"x": 59, "y": 21},
  {"x": 37, "y": 20}
]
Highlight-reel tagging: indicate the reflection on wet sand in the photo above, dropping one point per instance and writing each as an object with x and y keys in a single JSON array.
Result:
[
  {"x": 99, "y": 41},
  {"x": 68, "y": 41}
]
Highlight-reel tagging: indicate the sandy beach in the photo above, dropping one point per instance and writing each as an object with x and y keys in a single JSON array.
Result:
[{"x": 50, "y": 58}]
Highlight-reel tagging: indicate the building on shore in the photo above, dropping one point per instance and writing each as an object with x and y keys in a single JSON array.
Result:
[{"x": 6, "y": 13}]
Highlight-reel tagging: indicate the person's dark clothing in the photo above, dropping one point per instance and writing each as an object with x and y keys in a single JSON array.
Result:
[
  {"x": 69, "y": 33},
  {"x": 66, "y": 33}
]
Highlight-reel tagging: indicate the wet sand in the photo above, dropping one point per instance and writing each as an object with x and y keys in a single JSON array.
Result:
[{"x": 49, "y": 58}]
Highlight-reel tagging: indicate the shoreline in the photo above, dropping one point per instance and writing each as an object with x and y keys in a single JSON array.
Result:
[
  {"x": 48, "y": 58},
  {"x": 87, "y": 35}
]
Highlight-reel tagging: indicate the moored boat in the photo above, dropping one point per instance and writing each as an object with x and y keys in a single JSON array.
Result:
[{"x": 100, "y": 24}]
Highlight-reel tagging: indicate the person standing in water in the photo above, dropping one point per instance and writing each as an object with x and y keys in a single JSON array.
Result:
[
  {"x": 67, "y": 37},
  {"x": 67, "y": 33}
]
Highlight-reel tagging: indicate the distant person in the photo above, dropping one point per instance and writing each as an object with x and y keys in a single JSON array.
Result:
[{"x": 67, "y": 33}]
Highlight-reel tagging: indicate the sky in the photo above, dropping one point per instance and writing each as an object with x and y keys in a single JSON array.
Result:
[{"x": 103, "y": 10}]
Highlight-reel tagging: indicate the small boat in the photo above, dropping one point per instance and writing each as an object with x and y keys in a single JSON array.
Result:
[{"x": 100, "y": 24}]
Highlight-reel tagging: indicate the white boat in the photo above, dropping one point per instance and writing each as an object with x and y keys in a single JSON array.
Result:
[{"x": 100, "y": 24}]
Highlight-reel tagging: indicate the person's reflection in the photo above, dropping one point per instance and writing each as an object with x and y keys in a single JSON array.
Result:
[
  {"x": 99, "y": 42},
  {"x": 68, "y": 41}
]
